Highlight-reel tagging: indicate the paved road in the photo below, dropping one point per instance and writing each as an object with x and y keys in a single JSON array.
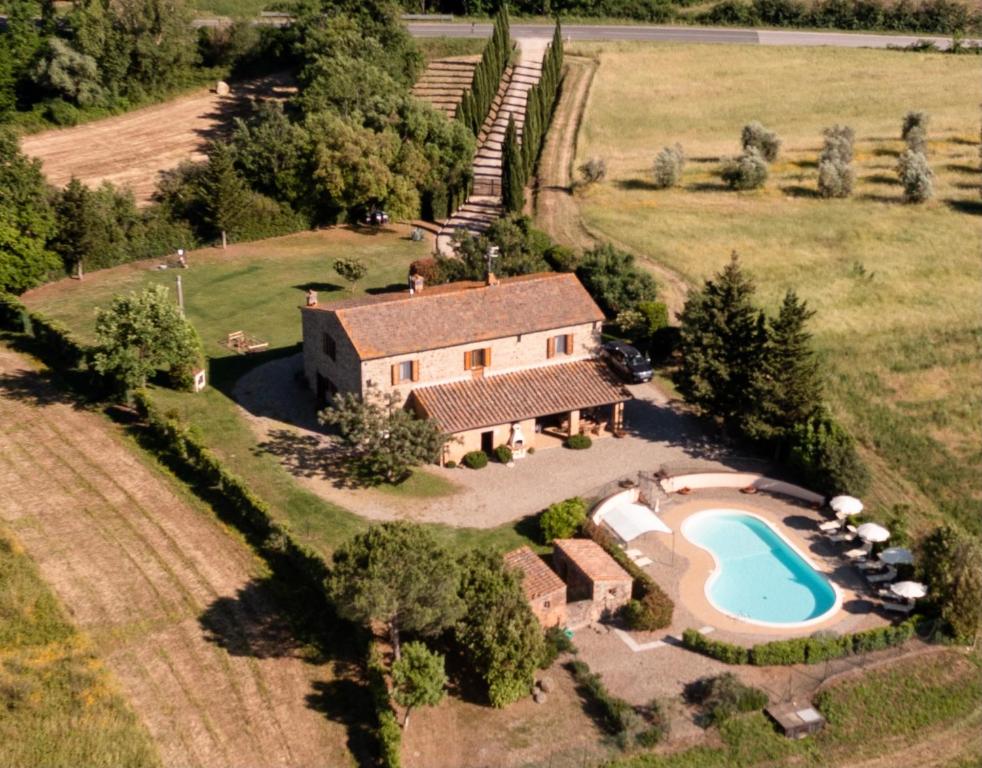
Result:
[{"x": 678, "y": 34}]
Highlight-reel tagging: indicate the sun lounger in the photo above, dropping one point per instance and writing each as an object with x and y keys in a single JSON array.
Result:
[
  {"x": 881, "y": 578},
  {"x": 871, "y": 565},
  {"x": 849, "y": 534},
  {"x": 859, "y": 553},
  {"x": 830, "y": 526},
  {"x": 905, "y": 608}
]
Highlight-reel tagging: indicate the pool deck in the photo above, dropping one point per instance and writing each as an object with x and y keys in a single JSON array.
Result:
[{"x": 682, "y": 568}]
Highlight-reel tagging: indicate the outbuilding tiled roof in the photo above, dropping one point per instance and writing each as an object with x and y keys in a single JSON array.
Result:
[
  {"x": 527, "y": 394},
  {"x": 539, "y": 579},
  {"x": 590, "y": 557},
  {"x": 461, "y": 313}
]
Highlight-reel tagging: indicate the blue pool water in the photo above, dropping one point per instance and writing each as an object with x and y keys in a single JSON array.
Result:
[{"x": 758, "y": 577}]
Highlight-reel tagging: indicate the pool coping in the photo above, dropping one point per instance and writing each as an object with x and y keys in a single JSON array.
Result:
[{"x": 717, "y": 570}]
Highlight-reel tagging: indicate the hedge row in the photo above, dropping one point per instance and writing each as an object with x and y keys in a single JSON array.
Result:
[
  {"x": 476, "y": 102},
  {"x": 389, "y": 733},
  {"x": 801, "y": 650},
  {"x": 655, "y": 607},
  {"x": 56, "y": 345}
]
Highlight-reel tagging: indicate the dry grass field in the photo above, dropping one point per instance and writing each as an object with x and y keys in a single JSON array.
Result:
[
  {"x": 132, "y": 149},
  {"x": 896, "y": 286},
  {"x": 180, "y": 610}
]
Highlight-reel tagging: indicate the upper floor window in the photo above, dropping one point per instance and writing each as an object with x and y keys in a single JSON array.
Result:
[
  {"x": 330, "y": 347},
  {"x": 475, "y": 359},
  {"x": 559, "y": 345},
  {"x": 407, "y": 370}
]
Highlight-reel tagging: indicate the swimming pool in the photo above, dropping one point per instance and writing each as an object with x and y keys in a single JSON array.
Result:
[{"x": 760, "y": 577}]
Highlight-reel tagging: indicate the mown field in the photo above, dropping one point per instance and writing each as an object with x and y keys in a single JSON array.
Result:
[
  {"x": 59, "y": 704},
  {"x": 896, "y": 287},
  {"x": 257, "y": 288}
]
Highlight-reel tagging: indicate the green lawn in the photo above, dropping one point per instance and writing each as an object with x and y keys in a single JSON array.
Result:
[
  {"x": 258, "y": 287},
  {"x": 58, "y": 704},
  {"x": 896, "y": 287}
]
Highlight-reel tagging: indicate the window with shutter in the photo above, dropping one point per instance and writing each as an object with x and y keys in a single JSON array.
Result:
[
  {"x": 551, "y": 347},
  {"x": 415, "y": 370}
]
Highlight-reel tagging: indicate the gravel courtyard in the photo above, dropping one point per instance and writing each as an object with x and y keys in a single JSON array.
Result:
[{"x": 282, "y": 414}]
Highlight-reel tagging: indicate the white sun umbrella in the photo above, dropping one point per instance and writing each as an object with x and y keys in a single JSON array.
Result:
[
  {"x": 846, "y": 506},
  {"x": 897, "y": 556},
  {"x": 872, "y": 532},
  {"x": 910, "y": 590}
]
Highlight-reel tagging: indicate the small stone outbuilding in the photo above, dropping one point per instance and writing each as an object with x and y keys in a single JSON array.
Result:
[
  {"x": 543, "y": 589},
  {"x": 591, "y": 574}
]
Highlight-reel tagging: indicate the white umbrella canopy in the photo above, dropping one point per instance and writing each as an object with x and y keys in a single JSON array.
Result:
[
  {"x": 909, "y": 589},
  {"x": 897, "y": 556},
  {"x": 846, "y": 505},
  {"x": 872, "y": 532}
]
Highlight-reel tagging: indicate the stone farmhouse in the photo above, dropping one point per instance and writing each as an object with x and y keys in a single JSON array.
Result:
[{"x": 499, "y": 362}]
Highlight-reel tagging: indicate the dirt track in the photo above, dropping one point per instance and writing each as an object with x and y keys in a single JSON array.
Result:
[
  {"x": 132, "y": 149},
  {"x": 173, "y": 602},
  {"x": 556, "y": 209}
]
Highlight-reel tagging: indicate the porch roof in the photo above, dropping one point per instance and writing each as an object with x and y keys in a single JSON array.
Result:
[{"x": 509, "y": 397}]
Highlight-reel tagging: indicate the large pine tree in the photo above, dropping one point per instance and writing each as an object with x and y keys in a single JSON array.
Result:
[
  {"x": 722, "y": 342},
  {"x": 512, "y": 170},
  {"x": 789, "y": 390}
]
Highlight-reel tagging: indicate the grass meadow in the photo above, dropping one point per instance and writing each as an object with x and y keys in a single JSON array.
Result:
[
  {"x": 59, "y": 704},
  {"x": 257, "y": 288},
  {"x": 896, "y": 287}
]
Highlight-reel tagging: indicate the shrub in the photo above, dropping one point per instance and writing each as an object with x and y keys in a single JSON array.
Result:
[
  {"x": 615, "y": 715},
  {"x": 914, "y": 131},
  {"x": 723, "y": 696},
  {"x": 725, "y": 652},
  {"x": 503, "y": 454},
  {"x": 756, "y": 136},
  {"x": 839, "y": 140},
  {"x": 475, "y": 460},
  {"x": 951, "y": 564},
  {"x": 593, "y": 170},
  {"x": 824, "y": 455},
  {"x": 451, "y": 464},
  {"x": 578, "y": 442},
  {"x": 916, "y": 177},
  {"x": 668, "y": 167},
  {"x": 748, "y": 171},
  {"x": 562, "y": 519},
  {"x": 835, "y": 178},
  {"x": 61, "y": 113},
  {"x": 556, "y": 642}
]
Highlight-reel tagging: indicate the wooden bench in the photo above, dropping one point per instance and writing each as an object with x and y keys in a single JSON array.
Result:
[{"x": 244, "y": 344}]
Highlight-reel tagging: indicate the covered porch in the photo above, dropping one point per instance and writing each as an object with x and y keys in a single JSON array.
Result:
[{"x": 537, "y": 408}]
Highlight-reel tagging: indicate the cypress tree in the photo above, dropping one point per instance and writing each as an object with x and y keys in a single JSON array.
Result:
[
  {"x": 792, "y": 367},
  {"x": 512, "y": 171},
  {"x": 722, "y": 340},
  {"x": 557, "y": 44}
]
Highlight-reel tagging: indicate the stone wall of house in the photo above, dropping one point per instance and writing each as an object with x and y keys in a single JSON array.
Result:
[
  {"x": 605, "y": 597},
  {"x": 550, "y": 609},
  {"x": 344, "y": 371},
  {"x": 514, "y": 353},
  {"x": 465, "y": 442},
  {"x": 610, "y": 596}
]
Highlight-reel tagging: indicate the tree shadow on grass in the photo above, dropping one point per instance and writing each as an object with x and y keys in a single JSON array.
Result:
[
  {"x": 390, "y": 288},
  {"x": 962, "y": 168},
  {"x": 805, "y": 163},
  {"x": 885, "y": 152},
  {"x": 708, "y": 186},
  {"x": 873, "y": 198},
  {"x": 798, "y": 190},
  {"x": 973, "y": 207},
  {"x": 635, "y": 184},
  {"x": 348, "y": 702},
  {"x": 36, "y": 388},
  {"x": 317, "y": 286},
  {"x": 705, "y": 159},
  {"x": 882, "y": 178}
]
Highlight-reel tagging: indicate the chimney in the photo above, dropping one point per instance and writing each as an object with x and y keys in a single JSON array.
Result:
[
  {"x": 491, "y": 280},
  {"x": 416, "y": 283}
]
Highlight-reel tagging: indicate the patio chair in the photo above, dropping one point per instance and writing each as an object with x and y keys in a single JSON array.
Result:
[
  {"x": 882, "y": 578},
  {"x": 904, "y": 608},
  {"x": 849, "y": 534},
  {"x": 859, "y": 554}
]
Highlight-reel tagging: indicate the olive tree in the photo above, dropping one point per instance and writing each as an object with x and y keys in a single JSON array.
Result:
[
  {"x": 748, "y": 171},
  {"x": 916, "y": 177},
  {"x": 914, "y": 131},
  {"x": 350, "y": 270},
  {"x": 668, "y": 166},
  {"x": 756, "y": 136},
  {"x": 419, "y": 678},
  {"x": 835, "y": 173}
]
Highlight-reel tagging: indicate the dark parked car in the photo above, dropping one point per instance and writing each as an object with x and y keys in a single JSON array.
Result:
[{"x": 626, "y": 361}]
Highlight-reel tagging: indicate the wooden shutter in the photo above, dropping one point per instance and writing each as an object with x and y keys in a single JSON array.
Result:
[
  {"x": 395, "y": 374},
  {"x": 467, "y": 361},
  {"x": 551, "y": 347},
  {"x": 415, "y": 376},
  {"x": 569, "y": 343},
  {"x": 487, "y": 357}
]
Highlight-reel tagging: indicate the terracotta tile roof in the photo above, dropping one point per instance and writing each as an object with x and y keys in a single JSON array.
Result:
[
  {"x": 509, "y": 397},
  {"x": 591, "y": 559},
  {"x": 540, "y": 580},
  {"x": 461, "y": 313}
]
